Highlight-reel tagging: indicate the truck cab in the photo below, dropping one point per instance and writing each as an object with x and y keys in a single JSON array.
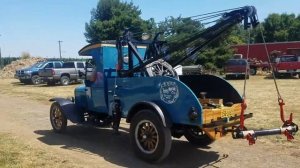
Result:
[
  {"x": 236, "y": 68},
  {"x": 287, "y": 65}
]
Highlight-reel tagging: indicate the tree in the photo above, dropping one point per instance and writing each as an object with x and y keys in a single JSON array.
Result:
[
  {"x": 25, "y": 55},
  {"x": 280, "y": 27},
  {"x": 111, "y": 17},
  {"x": 177, "y": 30}
]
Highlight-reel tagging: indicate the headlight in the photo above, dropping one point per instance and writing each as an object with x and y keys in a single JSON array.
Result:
[{"x": 28, "y": 72}]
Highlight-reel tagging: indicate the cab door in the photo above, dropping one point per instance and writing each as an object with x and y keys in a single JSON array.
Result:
[{"x": 95, "y": 91}]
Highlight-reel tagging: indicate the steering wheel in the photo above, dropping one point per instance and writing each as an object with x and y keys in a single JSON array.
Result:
[{"x": 161, "y": 68}]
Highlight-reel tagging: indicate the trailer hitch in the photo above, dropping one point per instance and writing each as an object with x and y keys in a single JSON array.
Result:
[{"x": 288, "y": 129}]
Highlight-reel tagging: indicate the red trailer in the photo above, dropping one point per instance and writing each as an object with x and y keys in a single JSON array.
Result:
[{"x": 257, "y": 51}]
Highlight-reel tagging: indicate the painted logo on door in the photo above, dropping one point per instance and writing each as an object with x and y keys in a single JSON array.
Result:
[{"x": 169, "y": 92}]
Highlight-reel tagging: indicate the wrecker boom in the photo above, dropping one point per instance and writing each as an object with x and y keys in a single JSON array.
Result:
[{"x": 246, "y": 14}]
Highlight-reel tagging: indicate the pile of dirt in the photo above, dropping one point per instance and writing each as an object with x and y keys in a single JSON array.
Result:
[{"x": 9, "y": 70}]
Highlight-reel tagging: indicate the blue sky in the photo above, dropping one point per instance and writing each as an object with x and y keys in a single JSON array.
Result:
[{"x": 35, "y": 26}]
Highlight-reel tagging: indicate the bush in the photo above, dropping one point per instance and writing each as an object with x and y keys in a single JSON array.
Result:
[{"x": 25, "y": 55}]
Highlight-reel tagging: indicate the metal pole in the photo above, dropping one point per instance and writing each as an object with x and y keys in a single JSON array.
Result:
[{"x": 59, "y": 48}]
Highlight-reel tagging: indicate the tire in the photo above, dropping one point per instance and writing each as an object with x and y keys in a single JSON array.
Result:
[
  {"x": 157, "y": 145},
  {"x": 253, "y": 71},
  {"x": 57, "y": 118},
  {"x": 64, "y": 80},
  {"x": 197, "y": 137},
  {"x": 36, "y": 80}
]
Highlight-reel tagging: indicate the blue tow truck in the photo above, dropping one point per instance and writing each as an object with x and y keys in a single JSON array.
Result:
[{"x": 129, "y": 79}]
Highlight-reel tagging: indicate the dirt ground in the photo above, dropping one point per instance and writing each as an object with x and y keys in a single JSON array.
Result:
[{"x": 24, "y": 114}]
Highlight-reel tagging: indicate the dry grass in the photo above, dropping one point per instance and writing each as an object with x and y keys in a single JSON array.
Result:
[
  {"x": 13, "y": 153},
  {"x": 35, "y": 92}
]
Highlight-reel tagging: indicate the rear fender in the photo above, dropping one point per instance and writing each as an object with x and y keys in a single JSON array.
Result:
[
  {"x": 70, "y": 110},
  {"x": 149, "y": 105}
]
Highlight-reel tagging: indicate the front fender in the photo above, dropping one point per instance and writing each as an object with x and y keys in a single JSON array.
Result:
[
  {"x": 149, "y": 105},
  {"x": 70, "y": 110}
]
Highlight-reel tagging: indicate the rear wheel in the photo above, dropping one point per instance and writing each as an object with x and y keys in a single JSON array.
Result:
[
  {"x": 64, "y": 80},
  {"x": 57, "y": 118},
  {"x": 197, "y": 137},
  {"x": 150, "y": 139}
]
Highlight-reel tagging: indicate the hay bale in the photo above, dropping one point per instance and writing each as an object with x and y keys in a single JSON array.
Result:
[{"x": 9, "y": 70}]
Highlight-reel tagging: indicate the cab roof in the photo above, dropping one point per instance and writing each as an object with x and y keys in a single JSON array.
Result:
[{"x": 86, "y": 51}]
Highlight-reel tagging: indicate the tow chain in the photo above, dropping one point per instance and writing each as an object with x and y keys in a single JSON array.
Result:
[{"x": 244, "y": 104}]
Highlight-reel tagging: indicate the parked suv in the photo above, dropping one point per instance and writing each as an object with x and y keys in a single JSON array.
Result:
[
  {"x": 287, "y": 65},
  {"x": 70, "y": 71},
  {"x": 236, "y": 68},
  {"x": 30, "y": 74}
]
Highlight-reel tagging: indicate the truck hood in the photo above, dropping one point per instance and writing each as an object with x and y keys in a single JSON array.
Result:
[{"x": 29, "y": 69}]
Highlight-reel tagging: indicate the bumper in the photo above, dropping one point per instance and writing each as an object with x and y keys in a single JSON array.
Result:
[{"x": 23, "y": 77}]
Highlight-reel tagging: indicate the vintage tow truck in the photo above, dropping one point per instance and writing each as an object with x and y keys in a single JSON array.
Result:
[{"x": 129, "y": 79}]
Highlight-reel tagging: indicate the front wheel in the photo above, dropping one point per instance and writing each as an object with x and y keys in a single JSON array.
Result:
[
  {"x": 35, "y": 79},
  {"x": 57, "y": 118},
  {"x": 197, "y": 137},
  {"x": 151, "y": 141}
]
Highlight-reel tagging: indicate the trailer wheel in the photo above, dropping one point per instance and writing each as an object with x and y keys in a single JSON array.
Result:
[
  {"x": 151, "y": 141},
  {"x": 57, "y": 118},
  {"x": 64, "y": 80},
  {"x": 197, "y": 137},
  {"x": 35, "y": 79}
]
